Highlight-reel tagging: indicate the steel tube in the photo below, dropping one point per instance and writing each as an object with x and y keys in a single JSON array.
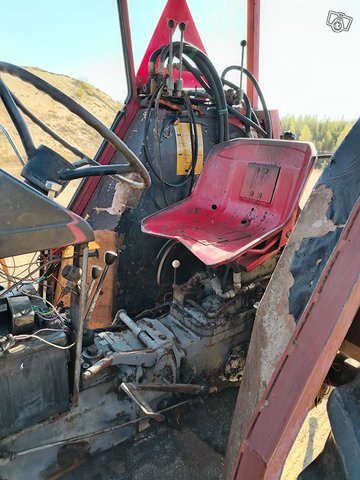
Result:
[{"x": 80, "y": 326}]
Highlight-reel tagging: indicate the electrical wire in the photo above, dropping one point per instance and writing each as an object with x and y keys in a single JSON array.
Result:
[
  {"x": 53, "y": 308},
  {"x": 14, "y": 267},
  {"x": 54, "y": 264},
  {"x": 26, "y": 337},
  {"x": 17, "y": 280}
]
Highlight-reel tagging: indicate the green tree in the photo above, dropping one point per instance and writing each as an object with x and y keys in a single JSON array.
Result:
[
  {"x": 327, "y": 143},
  {"x": 342, "y": 134},
  {"x": 305, "y": 134},
  {"x": 326, "y": 134}
]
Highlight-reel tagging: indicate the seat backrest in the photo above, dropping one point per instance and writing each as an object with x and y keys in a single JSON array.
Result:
[{"x": 254, "y": 179}]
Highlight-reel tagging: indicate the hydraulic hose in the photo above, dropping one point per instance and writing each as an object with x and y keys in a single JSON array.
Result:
[
  {"x": 206, "y": 67},
  {"x": 193, "y": 136},
  {"x": 245, "y": 120},
  {"x": 213, "y": 83},
  {"x": 245, "y": 98},
  {"x": 146, "y": 145},
  {"x": 259, "y": 92}
]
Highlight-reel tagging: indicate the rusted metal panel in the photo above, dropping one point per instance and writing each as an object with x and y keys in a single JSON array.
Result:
[
  {"x": 301, "y": 370},
  {"x": 274, "y": 324},
  {"x": 103, "y": 312},
  {"x": 325, "y": 212},
  {"x": 260, "y": 182}
]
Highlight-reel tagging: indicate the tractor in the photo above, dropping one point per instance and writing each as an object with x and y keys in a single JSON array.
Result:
[{"x": 141, "y": 295}]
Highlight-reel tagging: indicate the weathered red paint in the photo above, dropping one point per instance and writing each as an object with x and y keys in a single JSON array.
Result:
[
  {"x": 247, "y": 194},
  {"x": 252, "y": 49},
  {"x": 83, "y": 197},
  {"x": 177, "y": 10},
  {"x": 305, "y": 362}
]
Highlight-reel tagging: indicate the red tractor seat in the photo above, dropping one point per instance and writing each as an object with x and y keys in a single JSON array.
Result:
[{"x": 246, "y": 196}]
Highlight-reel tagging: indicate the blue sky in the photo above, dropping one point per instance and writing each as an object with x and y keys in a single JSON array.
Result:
[{"x": 304, "y": 66}]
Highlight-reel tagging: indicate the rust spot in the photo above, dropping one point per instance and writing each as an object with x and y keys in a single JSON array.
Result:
[{"x": 72, "y": 453}]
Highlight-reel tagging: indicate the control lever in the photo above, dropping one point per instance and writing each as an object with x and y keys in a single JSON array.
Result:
[
  {"x": 72, "y": 274},
  {"x": 109, "y": 258},
  {"x": 170, "y": 79},
  {"x": 179, "y": 82},
  {"x": 133, "y": 390},
  {"x": 243, "y": 45},
  {"x": 175, "y": 264},
  {"x": 141, "y": 402},
  {"x": 95, "y": 274}
]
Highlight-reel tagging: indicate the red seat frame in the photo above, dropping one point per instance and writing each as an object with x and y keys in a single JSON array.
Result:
[{"x": 244, "y": 204}]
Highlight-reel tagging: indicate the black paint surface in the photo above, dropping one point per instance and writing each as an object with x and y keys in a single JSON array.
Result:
[{"x": 342, "y": 176}]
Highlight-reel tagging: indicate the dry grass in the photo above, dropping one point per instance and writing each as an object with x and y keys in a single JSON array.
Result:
[{"x": 68, "y": 125}]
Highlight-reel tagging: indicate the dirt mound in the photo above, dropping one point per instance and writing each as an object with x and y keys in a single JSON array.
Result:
[{"x": 66, "y": 124}]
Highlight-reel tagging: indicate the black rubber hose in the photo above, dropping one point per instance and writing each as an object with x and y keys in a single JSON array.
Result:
[
  {"x": 197, "y": 54},
  {"x": 259, "y": 92},
  {"x": 248, "y": 112},
  {"x": 211, "y": 88},
  {"x": 17, "y": 119},
  {"x": 148, "y": 155},
  {"x": 194, "y": 71},
  {"x": 246, "y": 99},
  {"x": 207, "y": 70},
  {"x": 86, "y": 116},
  {"x": 214, "y": 91},
  {"x": 156, "y": 136},
  {"x": 253, "y": 116},
  {"x": 187, "y": 65},
  {"x": 244, "y": 119},
  {"x": 194, "y": 138},
  {"x": 219, "y": 104},
  {"x": 156, "y": 53}
]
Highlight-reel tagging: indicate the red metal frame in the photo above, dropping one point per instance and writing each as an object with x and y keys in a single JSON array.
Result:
[
  {"x": 129, "y": 111},
  {"x": 82, "y": 199},
  {"x": 252, "y": 49},
  {"x": 305, "y": 362},
  {"x": 179, "y": 11}
]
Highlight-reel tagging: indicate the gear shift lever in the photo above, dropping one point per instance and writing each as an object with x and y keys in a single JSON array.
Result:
[{"x": 109, "y": 258}]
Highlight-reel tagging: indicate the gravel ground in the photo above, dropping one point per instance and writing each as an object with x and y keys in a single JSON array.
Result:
[{"x": 192, "y": 446}]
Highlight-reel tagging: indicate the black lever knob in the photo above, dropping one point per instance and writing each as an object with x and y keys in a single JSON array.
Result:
[{"x": 110, "y": 257}]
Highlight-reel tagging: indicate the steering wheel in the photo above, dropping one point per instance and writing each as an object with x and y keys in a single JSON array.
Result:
[{"x": 13, "y": 106}]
